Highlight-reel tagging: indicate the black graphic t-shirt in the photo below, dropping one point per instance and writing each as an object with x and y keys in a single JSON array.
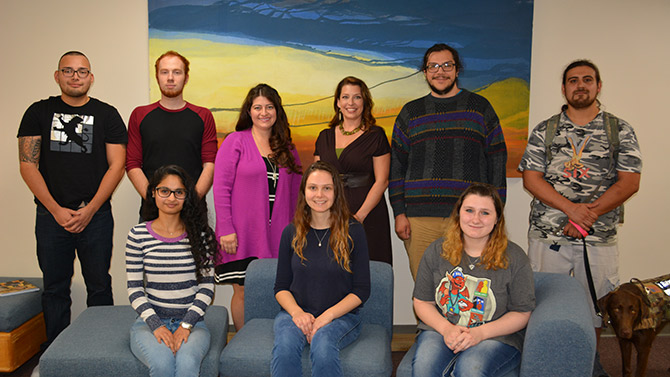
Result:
[{"x": 73, "y": 156}]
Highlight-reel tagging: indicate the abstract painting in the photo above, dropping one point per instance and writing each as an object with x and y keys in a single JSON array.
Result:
[{"x": 303, "y": 48}]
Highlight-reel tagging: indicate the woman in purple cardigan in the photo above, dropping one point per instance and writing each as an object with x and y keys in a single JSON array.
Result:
[{"x": 256, "y": 183}]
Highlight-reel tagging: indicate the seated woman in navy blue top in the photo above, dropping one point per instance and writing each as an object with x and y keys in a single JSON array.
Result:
[{"x": 323, "y": 278}]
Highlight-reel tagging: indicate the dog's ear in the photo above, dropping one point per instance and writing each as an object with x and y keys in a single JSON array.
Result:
[
  {"x": 644, "y": 309},
  {"x": 602, "y": 305}
]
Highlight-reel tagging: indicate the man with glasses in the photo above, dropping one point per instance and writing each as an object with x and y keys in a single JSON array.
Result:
[
  {"x": 72, "y": 149},
  {"x": 580, "y": 165},
  {"x": 171, "y": 131},
  {"x": 441, "y": 144}
]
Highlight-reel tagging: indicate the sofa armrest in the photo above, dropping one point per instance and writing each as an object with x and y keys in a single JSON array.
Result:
[
  {"x": 560, "y": 337},
  {"x": 259, "y": 298}
]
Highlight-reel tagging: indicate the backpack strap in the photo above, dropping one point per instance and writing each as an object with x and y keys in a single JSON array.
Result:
[
  {"x": 611, "y": 124},
  {"x": 550, "y": 133}
]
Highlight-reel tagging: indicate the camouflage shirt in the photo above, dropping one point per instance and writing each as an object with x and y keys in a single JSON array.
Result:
[{"x": 581, "y": 161}]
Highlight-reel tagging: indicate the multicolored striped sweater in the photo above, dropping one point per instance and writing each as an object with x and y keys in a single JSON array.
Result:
[
  {"x": 171, "y": 289},
  {"x": 440, "y": 146}
]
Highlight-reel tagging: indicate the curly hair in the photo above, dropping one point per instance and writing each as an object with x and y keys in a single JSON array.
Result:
[
  {"x": 368, "y": 119},
  {"x": 339, "y": 218},
  {"x": 193, "y": 215},
  {"x": 494, "y": 255},
  {"x": 280, "y": 138}
]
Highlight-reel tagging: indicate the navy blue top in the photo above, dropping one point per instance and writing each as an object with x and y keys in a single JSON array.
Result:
[{"x": 318, "y": 282}]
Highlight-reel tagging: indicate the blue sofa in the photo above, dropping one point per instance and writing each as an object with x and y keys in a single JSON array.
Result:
[
  {"x": 250, "y": 351},
  {"x": 97, "y": 343},
  {"x": 560, "y": 340}
]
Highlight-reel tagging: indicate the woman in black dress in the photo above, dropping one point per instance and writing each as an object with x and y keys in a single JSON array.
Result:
[{"x": 360, "y": 151}]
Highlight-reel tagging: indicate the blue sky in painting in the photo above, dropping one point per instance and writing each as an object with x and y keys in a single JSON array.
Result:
[{"x": 492, "y": 36}]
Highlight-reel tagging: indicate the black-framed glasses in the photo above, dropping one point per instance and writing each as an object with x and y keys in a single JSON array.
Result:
[
  {"x": 81, "y": 72},
  {"x": 434, "y": 67},
  {"x": 165, "y": 192}
]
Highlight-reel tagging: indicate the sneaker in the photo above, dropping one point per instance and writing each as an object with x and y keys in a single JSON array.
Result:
[
  {"x": 598, "y": 370},
  {"x": 36, "y": 371}
]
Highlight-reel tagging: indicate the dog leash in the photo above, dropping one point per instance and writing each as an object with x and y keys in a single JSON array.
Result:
[{"x": 589, "y": 278}]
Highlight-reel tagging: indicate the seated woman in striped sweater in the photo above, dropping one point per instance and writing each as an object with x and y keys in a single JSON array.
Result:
[{"x": 173, "y": 252}]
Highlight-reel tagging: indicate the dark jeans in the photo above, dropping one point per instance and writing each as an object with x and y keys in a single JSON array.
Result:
[{"x": 55, "y": 254}]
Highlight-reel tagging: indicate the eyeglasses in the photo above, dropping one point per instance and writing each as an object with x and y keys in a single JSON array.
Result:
[
  {"x": 434, "y": 67},
  {"x": 81, "y": 72},
  {"x": 165, "y": 192}
]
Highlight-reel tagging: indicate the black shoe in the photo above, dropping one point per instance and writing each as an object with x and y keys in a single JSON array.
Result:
[{"x": 598, "y": 370}]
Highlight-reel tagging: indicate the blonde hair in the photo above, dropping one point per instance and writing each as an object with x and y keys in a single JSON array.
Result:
[
  {"x": 494, "y": 255},
  {"x": 339, "y": 216}
]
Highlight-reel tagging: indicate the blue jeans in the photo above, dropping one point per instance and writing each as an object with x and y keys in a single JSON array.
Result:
[
  {"x": 56, "y": 253},
  {"x": 488, "y": 358},
  {"x": 324, "y": 349},
  {"x": 159, "y": 358}
]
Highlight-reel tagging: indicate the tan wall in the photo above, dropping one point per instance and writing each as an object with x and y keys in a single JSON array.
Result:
[{"x": 628, "y": 40}]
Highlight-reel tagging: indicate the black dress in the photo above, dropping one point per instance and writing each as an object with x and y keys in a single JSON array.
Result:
[{"x": 355, "y": 163}]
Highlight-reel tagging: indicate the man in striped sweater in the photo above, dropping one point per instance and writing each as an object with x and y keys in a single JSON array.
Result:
[{"x": 442, "y": 143}]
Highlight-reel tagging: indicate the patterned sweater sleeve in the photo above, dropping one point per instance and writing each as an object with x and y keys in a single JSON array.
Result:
[
  {"x": 496, "y": 151},
  {"x": 135, "y": 276},
  {"x": 399, "y": 156},
  {"x": 203, "y": 298}
]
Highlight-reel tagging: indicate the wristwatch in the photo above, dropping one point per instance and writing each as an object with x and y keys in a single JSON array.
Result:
[{"x": 187, "y": 326}]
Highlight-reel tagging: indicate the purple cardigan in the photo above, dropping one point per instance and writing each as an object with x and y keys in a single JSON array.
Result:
[{"x": 240, "y": 192}]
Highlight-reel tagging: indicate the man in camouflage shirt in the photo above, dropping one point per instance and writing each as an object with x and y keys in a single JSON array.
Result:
[{"x": 580, "y": 183}]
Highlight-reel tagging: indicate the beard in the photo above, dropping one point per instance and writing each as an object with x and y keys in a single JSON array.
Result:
[
  {"x": 444, "y": 91},
  {"x": 581, "y": 102},
  {"x": 172, "y": 93}
]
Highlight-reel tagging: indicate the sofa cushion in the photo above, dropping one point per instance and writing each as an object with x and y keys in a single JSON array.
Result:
[
  {"x": 249, "y": 353},
  {"x": 98, "y": 343},
  {"x": 15, "y": 310}
]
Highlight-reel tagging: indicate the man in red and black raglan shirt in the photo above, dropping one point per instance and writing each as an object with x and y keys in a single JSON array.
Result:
[
  {"x": 171, "y": 131},
  {"x": 72, "y": 149}
]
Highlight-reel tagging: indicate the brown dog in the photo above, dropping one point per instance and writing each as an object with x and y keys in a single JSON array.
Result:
[{"x": 628, "y": 308}]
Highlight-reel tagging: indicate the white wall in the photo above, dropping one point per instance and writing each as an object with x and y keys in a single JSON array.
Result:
[{"x": 628, "y": 40}]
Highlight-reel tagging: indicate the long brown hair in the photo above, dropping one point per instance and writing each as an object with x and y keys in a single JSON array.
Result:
[
  {"x": 280, "y": 138},
  {"x": 339, "y": 218},
  {"x": 368, "y": 119},
  {"x": 494, "y": 255}
]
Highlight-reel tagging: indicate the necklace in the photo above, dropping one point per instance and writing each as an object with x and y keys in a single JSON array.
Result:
[
  {"x": 320, "y": 239},
  {"x": 273, "y": 167},
  {"x": 472, "y": 263},
  {"x": 349, "y": 133}
]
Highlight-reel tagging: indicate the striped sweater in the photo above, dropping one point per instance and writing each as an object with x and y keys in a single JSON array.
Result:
[
  {"x": 171, "y": 289},
  {"x": 441, "y": 146}
]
